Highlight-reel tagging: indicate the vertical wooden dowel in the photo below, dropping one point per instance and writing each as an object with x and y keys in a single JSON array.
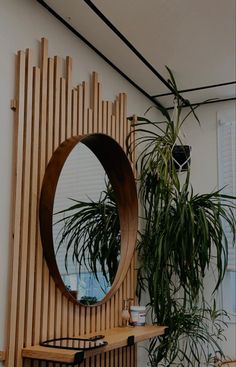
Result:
[
  {"x": 99, "y": 109},
  {"x": 80, "y": 104},
  {"x": 85, "y": 107},
  {"x": 64, "y": 318},
  {"x": 74, "y": 112},
  {"x": 49, "y": 305},
  {"x": 62, "y": 110},
  {"x": 38, "y": 299},
  {"x": 33, "y": 203},
  {"x": 109, "y": 115},
  {"x": 50, "y": 97},
  {"x": 19, "y": 129},
  {"x": 90, "y": 121},
  {"x": 94, "y": 100},
  {"x": 43, "y": 269},
  {"x": 68, "y": 97},
  {"x": 25, "y": 199},
  {"x": 56, "y": 104},
  {"x": 104, "y": 117}
]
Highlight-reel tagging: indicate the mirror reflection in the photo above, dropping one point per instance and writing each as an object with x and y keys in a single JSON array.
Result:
[{"x": 86, "y": 230}]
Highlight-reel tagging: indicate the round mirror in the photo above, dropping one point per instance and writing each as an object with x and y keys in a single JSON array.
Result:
[{"x": 88, "y": 217}]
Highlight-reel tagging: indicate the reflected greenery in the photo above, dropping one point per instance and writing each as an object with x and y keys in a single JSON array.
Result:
[{"x": 91, "y": 229}]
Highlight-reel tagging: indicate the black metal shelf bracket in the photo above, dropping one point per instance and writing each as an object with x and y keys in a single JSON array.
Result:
[
  {"x": 79, "y": 358},
  {"x": 130, "y": 340}
]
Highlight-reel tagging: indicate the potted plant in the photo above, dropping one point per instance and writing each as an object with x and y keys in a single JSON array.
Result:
[{"x": 182, "y": 237}]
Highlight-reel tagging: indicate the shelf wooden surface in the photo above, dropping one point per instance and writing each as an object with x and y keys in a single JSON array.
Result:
[{"x": 116, "y": 338}]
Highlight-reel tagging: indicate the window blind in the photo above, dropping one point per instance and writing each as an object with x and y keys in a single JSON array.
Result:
[{"x": 227, "y": 174}]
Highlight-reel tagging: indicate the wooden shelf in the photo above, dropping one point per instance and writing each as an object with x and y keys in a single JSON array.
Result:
[{"x": 116, "y": 338}]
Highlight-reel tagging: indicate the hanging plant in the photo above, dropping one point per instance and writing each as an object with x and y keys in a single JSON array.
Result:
[{"x": 182, "y": 238}]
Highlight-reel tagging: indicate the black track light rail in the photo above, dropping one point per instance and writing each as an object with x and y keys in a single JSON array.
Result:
[
  {"x": 207, "y": 102},
  {"x": 195, "y": 89}
]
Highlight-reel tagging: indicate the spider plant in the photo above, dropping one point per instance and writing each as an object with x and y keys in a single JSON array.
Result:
[
  {"x": 91, "y": 229},
  {"x": 184, "y": 234}
]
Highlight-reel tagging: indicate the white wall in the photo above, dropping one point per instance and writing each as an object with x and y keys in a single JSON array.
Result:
[{"x": 22, "y": 24}]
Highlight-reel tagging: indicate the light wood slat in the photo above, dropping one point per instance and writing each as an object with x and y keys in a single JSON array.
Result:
[
  {"x": 112, "y": 312},
  {"x": 62, "y": 109},
  {"x": 58, "y": 317},
  {"x": 103, "y": 317},
  {"x": 132, "y": 352},
  {"x": 85, "y": 107},
  {"x": 25, "y": 198},
  {"x": 93, "y": 326},
  {"x": 124, "y": 119},
  {"x": 109, "y": 120},
  {"x": 56, "y": 104},
  {"x": 19, "y": 129},
  {"x": 116, "y": 130},
  {"x": 49, "y": 145},
  {"x": 87, "y": 320},
  {"x": 58, "y": 313},
  {"x": 113, "y": 125},
  {"x": 33, "y": 204},
  {"x": 90, "y": 128},
  {"x": 121, "y": 121},
  {"x": 104, "y": 117},
  {"x": 99, "y": 108},
  {"x": 98, "y": 318},
  {"x": 71, "y": 320},
  {"x": 64, "y": 320},
  {"x": 68, "y": 97},
  {"x": 50, "y": 99},
  {"x": 74, "y": 112},
  {"x": 42, "y": 162},
  {"x": 50, "y": 308},
  {"x": 95, "y": 102},
  {"x": 116, "y": 309},
  {"x": 82, "y": 319},
  {"x": 77, "y": 322},
  {"x": 80, "y": 90}
]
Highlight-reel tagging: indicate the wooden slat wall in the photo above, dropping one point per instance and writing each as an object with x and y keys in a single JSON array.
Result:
[{"x": 49, "y": 110}]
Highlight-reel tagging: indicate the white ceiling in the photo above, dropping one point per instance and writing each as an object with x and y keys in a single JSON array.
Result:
[{"x": 195, "y": 38}]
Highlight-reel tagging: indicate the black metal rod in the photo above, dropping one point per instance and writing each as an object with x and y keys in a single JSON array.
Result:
[
  {"x": 129, "y": 44},
  {"x": 207, "y": 102},
  {"x": 195, "y": 89},
  {"x": 80, "y": 36}
]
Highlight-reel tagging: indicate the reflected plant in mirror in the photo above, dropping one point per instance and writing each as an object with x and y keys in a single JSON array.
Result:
[{"x": 86, "y": 228}]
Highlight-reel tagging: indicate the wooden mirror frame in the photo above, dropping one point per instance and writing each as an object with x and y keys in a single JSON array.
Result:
[{"x": 119, "y": 171}]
